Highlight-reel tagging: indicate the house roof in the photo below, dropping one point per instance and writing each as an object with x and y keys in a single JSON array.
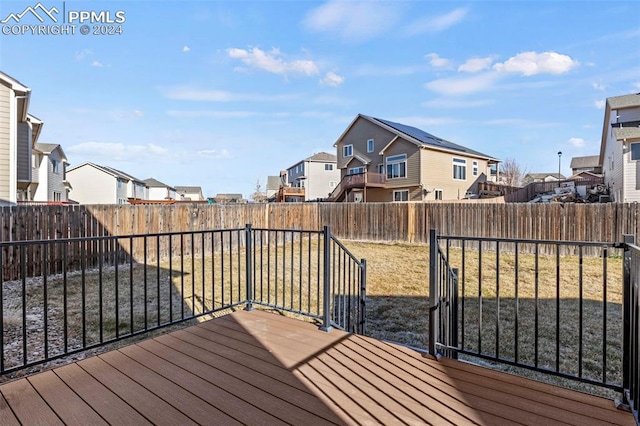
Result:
[
  {"x": 48, "y": 148},
  {"x": 322, "y": 157},
  {"x": 544, "y": 175},
  {"x": 624, "y": 101},
  {"x": 188, "y": 189},
  {"x": 273, "y": 182},
  {"x": 111, "y": 171},
  {"x": 15, "y": 84},
  {"x": 587, "y": 161},
  {"x": 153, "y": 183},
  {"x": 229, "y": 196},
  {"x": 21, "y": 90},
  {"x": 624, "y": 133},
  {"x": 418, "y": 137}
]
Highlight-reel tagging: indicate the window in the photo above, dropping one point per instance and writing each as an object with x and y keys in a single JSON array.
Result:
[
  {"x": 333, "y": 184},
  {"x": 401, "y": 195},
  {"x": 397, "y": 166},
  {"x": 475, "y": 168},
  {"x": 356, "y": 170},
  {"x": 56, "y": 196},
  {"x": 347, "y": 151},
  {"x": 459, "y": 169},
  {"x": 119, "y": 183},
  {"x": 370, "y": 145},
  {"x": 438, "y": 193},
  {"x": 635, "y": 151},
  {"x": 381, "y": 168},
  {"x": 55, "y": 164},
  {"x": 328, "y": 166}
]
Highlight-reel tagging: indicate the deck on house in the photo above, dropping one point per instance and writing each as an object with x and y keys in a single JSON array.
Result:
[{"x": 262, "y": 368}]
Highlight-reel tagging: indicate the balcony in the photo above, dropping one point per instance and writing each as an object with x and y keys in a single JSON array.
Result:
[
  {"x": 289, "y": 191},
  {"x": 360, "y": 181}
]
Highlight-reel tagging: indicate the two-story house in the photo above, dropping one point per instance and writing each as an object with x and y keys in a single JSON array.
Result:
[
  {"x": 589, "y": 163},
  {"x": 95, "y": 184},
  {"x": 620, "y": 147},
  {"x": 314, "y": 178},
  {"x": 19, "y": 132},
  {"x": 49, "y": 182},
  {"x": 380, "y": 160},
  {"x": 189, "y": 193}
]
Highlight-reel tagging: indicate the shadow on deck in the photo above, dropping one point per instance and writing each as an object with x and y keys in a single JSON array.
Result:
[{"x": 261, "y": 368}]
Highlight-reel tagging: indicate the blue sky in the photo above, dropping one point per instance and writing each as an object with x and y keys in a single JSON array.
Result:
[{"x": 222, "y": 94}]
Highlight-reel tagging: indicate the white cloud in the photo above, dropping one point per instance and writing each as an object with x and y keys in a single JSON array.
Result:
[
  {"x": 332, "y": 79},
  {"x": 214, "y": 153},
  {"x": 354, "y": 21},
  {"x": 117, "y": 151},
  {"x": 577, "y": 142},
  {"x": 186, "y": 93},
  {"x": 272, "y": 61},
  {"x": 186, "y": 49},
  {"x": 462, "y": 85},
  {"x": 437, "y": 23},
  {"x": 476, "y": 64},
  {"x": 97, "y": 64},
  {"x": 599, "y": 104},
  {"x": 532, "y": 63},
  {"x": 437, "y": 62}
]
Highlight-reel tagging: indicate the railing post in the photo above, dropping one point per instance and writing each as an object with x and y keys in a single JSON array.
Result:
[
  {"x": 248, "y": 266},
  {"x": 433, "y": 291},
  {"x": 626, "y": 317},
  {"x": 453, "y": 342},
  {"x": 326, "y": 282},
  {"x": 363, "y": 296}
]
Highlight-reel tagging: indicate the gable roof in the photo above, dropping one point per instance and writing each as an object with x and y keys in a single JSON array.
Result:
[
  {"x": 587, "y": 161},
  {"x": 48, "y": 148},
  {"x": 614, "y": 103},
  {"x": 188, "y": 189},
  {"x": 418, "y": 137},
  {"x": 110, "y": 171},
  {"x": 543, "y": 175},
  {"x": 323, "y": 157},
  {"x": 624, "y": 101},
  {"x": 21, "y": 89},
  {"x": 153, "y": 183}
]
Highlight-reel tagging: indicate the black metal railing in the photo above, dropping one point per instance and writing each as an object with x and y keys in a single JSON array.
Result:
[
  {"x": 631, "y": 310},
  {"x": 554, "y": 313},
  {"x": 88, "y": 292}
]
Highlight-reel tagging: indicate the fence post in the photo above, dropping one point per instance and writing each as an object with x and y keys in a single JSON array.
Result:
[
  {"x": 326, "y": 282},
  {"x": 248, "y": 266},
  {"x": 453, "y": 319},
  {"x": 433, "y": 291},
  {"x": 363, "y": 296},
  {"x": 626, "y": 316}
]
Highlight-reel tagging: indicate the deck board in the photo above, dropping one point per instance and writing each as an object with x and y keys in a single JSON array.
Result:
[{"x": 261, "y": 368}]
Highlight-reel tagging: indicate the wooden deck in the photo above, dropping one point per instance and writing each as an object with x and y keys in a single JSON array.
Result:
[{"x": 262, "y": 368}]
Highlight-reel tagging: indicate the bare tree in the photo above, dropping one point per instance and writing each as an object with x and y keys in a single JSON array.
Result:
[
  {"x": 258, "y": 196},
  {"x": 512, "y": 172}
]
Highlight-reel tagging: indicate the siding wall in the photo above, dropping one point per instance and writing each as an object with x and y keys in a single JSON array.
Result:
[
  {"x": 362, "y": 131},
  {"x": 614, "y": 163},
  {"x": 437, "y": 171},
  {"x": 401, "y": 146},
  {"x": 317, "y": 182},
  {"x": 628, "y": 114},
  {"x": 91, "y": 186},
  {"x": 24, "y": 152},
  {"x": 5, "y": 141}
]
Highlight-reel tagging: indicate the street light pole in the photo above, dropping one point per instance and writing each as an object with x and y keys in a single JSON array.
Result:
[{"x": 559, "y": 168}]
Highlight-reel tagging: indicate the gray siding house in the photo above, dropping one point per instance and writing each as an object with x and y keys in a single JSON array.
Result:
[
  {"x": 620, "y": 147},
  {"x": 49, "y": 173},
  {"x": 318, "y": 175}
]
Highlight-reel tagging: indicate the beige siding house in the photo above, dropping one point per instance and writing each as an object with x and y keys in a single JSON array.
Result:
[
  {"x": 316, "y": 176},
  {"x": 95, "y": 184},
  {"x": 49, "y": 180},
  {"x": 189, "y": 193},
  {"x": 620, "y": 147},
  {"x": 160, "y": 191},
  {"x": 19, "y": 132},
  {"x": 380, "y": 160}
]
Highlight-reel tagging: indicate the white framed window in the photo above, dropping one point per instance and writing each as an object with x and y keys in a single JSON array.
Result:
[
  {"x": 635, "y": 151},
  {"x": 347, "y": 151},
  {"x": 356, "y": 170},
  {"x": 475, "y": 168},
  {"x": 397, "y": 166},
  {"x": 57, "y": 196},
  {"x": 328, "y": 167},
  {"x": 459, "y": 169},
  {"x": 370, "y": 145},
  {"x": 438, "y": 194},
  {"x": 401, "y": 195},
  {"x": 55, "y": 164}
]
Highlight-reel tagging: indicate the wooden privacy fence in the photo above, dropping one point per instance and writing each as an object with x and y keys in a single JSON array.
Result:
[{"x": 408, "y": 222}]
